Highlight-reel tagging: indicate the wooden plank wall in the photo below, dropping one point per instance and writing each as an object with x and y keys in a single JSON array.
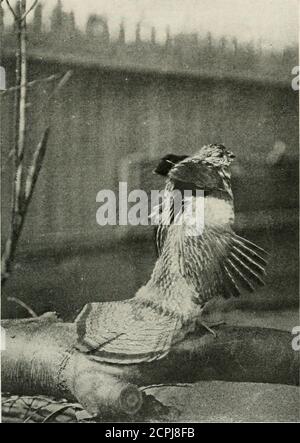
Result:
[{"x": 105, "y": 119}]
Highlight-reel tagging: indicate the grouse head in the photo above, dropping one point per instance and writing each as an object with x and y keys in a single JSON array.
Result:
[
  {"x": 215, "y": 155},
  {"x": 167, "y": 163}
]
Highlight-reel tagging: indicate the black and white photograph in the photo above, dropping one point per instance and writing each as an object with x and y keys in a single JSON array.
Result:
[{"x": 149, "y": 214}]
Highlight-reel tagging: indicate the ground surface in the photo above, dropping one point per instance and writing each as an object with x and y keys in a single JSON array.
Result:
[{"x": 232, "y": 402}]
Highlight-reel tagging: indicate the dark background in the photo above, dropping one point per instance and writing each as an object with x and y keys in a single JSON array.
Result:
[{"x": 112, "y": 122}]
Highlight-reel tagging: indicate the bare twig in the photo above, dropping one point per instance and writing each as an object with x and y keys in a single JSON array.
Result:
[
  {"x": 165, "y": 385},
  {"x": 61, "y": 83},
  {"x": 35, "y": 167},
  {"x": 24, "y": 13},
  {"x": 12, "y": 10},
  {"x": 24, "y": 305},
  {"x": 63, "y": 80},
  {"x": 20, "y": 117},
  {"x": 22, "y": 104},
  {"x": 49, "y": 79},
  {"x": 30, "y": 9},
  {"x": 12, "y": 241},
  {"x": 20, "y": 128},
  {"x": 24, "y": 184}
]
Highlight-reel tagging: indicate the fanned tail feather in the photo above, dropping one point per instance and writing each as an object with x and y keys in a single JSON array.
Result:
[{"x": 128, "y": 332}]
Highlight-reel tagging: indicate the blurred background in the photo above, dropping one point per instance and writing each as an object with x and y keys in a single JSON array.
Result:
[{"x": 151, "y": 78}]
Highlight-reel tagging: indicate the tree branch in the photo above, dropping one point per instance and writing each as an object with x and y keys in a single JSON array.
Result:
[
  {"x": 23, "y": 305},
  {"x": 35, "y": 2},
  {"x": 21, "y": 208},
  {"x": 35, "y": 167},
  {"x": 31, "y": 84},
  {"x": 20, "y": 128},
  {"x": 11, "y": 9},
  {"x": 24, "y": 183},
  {"x": 41, "y": 358}
]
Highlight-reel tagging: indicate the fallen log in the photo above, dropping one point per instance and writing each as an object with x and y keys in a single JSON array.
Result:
[{"x": 41, "y": 359}]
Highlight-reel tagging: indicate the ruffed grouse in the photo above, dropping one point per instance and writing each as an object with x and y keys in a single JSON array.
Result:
[{"x": 190, "y": 271}]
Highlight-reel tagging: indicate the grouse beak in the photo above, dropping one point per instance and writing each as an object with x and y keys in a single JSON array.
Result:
[
  {"x": 157, "y": 171},
  {"x": 162, "y": 168}
]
